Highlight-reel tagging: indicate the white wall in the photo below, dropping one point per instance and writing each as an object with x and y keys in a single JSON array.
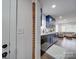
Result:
[
  {"x": 66, "y": 28},
  {"x": 66, "y": 25},
  {"x": 43, "y": 20},
  {"x": 43, "y": 27},
  {"x": 24, "y": 29}
]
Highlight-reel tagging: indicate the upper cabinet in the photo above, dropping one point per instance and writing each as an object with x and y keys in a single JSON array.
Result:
[{"x": 50, "y": 23}]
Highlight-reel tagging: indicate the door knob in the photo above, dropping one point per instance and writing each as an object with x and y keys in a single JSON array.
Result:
[
  {"x": 4, "y": 46},
  {"x": 4, "y": 54}
]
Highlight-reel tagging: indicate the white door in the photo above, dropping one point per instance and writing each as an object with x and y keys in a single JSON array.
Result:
[
  {"x": 8, "y": 29},
  {"x": 24, "y": 29}
]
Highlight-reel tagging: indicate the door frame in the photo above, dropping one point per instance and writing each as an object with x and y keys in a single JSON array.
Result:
[
  {"x": 36, "y": 54},
  {"x": 11, "y": 15},
  {"x": 13, "y": 29},
  {"x": 33, "y": 30}
]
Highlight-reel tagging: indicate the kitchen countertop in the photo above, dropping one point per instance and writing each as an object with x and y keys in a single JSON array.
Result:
[{"x": 48, "y": 33}]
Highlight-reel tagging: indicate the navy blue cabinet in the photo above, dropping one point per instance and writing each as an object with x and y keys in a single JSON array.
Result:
[
  {"x": 51, "y": 39},
  {"x": 49, "y": 19}
]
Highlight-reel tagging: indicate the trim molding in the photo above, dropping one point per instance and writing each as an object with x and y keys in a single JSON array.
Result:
[{"x": 33, "y": 30}]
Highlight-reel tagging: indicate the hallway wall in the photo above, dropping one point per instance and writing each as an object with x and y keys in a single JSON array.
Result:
[{"x": 66, "y": 25}]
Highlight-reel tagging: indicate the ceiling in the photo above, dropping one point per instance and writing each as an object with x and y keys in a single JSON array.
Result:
[{"x": 63, "y": 7}]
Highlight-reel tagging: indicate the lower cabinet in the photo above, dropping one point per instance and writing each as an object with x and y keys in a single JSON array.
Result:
[{"x": 47, "y": 41}]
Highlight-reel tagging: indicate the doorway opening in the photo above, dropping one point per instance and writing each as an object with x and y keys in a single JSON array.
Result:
[{"x": 58, "y": 39}]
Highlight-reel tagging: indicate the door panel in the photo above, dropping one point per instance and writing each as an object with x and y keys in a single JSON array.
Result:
[
  {"x": 13, "y": 25},
  {"x": 24, "y": 29}
]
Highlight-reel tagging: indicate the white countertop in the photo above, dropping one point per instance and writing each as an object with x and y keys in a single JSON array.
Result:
[{"x": 47, "y": 33}]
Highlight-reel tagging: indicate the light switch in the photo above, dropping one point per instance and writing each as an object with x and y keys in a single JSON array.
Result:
[{"x": 20, "y": 31}]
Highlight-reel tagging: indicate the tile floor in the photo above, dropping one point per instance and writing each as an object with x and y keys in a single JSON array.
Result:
[{"x": 67, "y": 44}]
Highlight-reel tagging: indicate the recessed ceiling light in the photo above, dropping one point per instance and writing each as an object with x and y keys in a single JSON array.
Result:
[
  {"x": 65, "y": 19},
  {"x": 53, "y": 6},
  {"x": 60, "y": 17}
]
